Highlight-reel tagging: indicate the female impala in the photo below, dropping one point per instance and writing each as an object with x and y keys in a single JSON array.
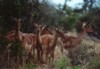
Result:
[
  {"x": 48, "y": 43},
  {"x": 28, "y": 40},
  {"x": 40, "y": 31},
  {"x": 74, "y": 41}
]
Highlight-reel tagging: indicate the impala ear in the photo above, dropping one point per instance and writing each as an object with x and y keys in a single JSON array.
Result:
[
  {"x": 19, "y": 19},
  {"x": 44, "y": 27},
  {"x": 36, "y": 25},
  {"x": 23, "y": 38},
  {"x": 84, "y": 24},
  {"x": 56, "y": 29}
]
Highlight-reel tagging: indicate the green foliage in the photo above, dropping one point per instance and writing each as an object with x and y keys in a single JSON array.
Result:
[
  {"x": 33, "y": 11},
  {"x": 77, "y": 67},
  {"x": 69, "y": 21},
  {"x": 10, "y": 8},
  {"x": 16, "y": 49},
  {"x": 94, "y": 64},
  {"x": 36, "y": 11},
  {"x": 73, "y": 19},
  {"x": 31, "y": 66},
  {"x": 3, "y": 44},
  {"x": 62, "y": 63}
]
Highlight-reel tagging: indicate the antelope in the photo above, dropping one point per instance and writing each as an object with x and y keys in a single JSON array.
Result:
[
  {"x": 49, "y": 37},
  {"x": 45, "y": 30},
  {"x": 72, "y": 41},
  {"x": 48, "y": 43},
  {"x": 41, "y": 31},
  {"x": 28, "y": 40},
  {"x": 11, "y": 36}
]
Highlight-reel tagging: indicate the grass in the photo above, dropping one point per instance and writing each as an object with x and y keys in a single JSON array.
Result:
[
  {"x": 77, "y": 67},
  {"x": 31, "y": 66},
  {"x": 62, "y": 63},
  {"x": 94, "y": 64}
]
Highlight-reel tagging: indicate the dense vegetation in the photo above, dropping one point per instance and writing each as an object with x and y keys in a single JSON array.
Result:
[{"x": 40, "y": 11}]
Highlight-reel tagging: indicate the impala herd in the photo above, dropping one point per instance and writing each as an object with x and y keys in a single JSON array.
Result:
[{"x": 42, "y": 44}]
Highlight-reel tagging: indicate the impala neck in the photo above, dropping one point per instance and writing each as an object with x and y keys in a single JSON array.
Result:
[
  {"x": 81, "y": 36},
  {"x": 53, "y": 44},
  {"x": 45, "y": 30},
  {"x": 17, "y": 30},
  {"x": 38, "y": 35}
]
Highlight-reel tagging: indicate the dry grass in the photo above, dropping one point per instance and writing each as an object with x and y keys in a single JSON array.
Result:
[{"x": 93, "y": 47}]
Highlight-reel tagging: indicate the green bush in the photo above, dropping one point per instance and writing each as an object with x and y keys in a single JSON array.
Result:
[
  {"x": 31, "y": 66},
  {"x": 77, "y": 67},
  {"x": 62, "y": 63},
  {"x": 16, "y": 49},
  {"x": 94, "y": 64}
]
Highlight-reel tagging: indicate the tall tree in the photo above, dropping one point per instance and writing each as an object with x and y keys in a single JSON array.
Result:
[{"x": 88, "y": 5}]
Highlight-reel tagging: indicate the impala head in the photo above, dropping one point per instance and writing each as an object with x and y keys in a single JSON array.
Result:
[
  {"x": 46, "y": 30},
  {"x": 84, "y": 24},
  {"x": 18, "y": 23},
  {"x": 87, "y": 28},
  {"x": 59, "y": 33},
  {"x": 43, "y": 29},
  {"x": 38, "y": 28}
]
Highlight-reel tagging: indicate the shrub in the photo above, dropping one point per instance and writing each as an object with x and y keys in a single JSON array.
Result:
[
  {"x": 16, "y": 49},
  {"x": 94, "y": 64},
  {"x": 31, "y": 66},
  {"x": 62, "y": 63}
]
